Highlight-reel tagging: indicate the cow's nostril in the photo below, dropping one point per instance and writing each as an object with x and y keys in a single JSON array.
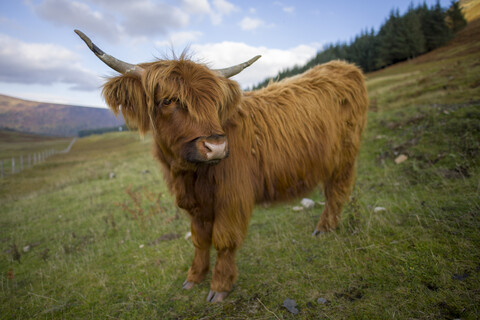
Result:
[
  {"x": 214, "y": 150},
  {"x": 206, "y": 145}
]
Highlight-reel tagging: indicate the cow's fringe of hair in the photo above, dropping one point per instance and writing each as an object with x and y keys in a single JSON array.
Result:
[
  {"x": 125, "y": 94},
  {"x": 195, "y": 86}
]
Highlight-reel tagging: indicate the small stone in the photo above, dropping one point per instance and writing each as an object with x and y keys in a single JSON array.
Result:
[
  {"x": 401, "y": 158},
  {"x": 188, "y": 235},
  {"x": 307, "y": 203},
  {"x": 322, "y": 300},
  {"x": 379, "y": 209},
  {"x": 461, "y": 277},
  {"x": 112, "y": 175},
  {"x": 26, "y": 248},
  {"x": 141, "y": 246},
  {"x": 291, "y": 305},
  {"x": 298, "y": 208}
]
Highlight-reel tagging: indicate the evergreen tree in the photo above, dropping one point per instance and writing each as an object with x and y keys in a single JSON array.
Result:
[
  {"x": 393, "y": 43},
  {"x": 400, "y": 38},
  {"x": 434, "y": 28},
  {"x": 414, "y": 38},
  {"x": 455, "y": 19},
  {"x": 363, "y": 51}
]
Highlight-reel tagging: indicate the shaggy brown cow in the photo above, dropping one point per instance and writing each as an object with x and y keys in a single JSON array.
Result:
[{"x": 223, "y": 150}]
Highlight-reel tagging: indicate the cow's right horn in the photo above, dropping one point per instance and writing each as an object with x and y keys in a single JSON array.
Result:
[
  {"x": 231, "y": 71},
  {"x": 112, "y": 62}
]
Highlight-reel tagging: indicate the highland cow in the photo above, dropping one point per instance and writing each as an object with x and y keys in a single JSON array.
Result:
[{"x": 223, "y": 150}]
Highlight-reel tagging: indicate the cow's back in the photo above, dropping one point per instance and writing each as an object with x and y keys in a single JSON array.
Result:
[{"x": 303, "y": 128}]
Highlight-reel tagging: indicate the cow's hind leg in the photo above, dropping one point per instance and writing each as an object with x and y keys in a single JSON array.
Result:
[
  {"x": 202, "y": 240},
  {"x": 336, "y": 190}
]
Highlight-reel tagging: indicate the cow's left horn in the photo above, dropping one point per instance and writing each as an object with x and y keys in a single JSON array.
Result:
[
  {"x": 112, "y": 62},
  {"x": 231, "y": 71}
]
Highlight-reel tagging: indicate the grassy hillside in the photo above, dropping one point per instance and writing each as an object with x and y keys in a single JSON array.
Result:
[
  {"x": 76, "y": 243},
  {"x": 471, "y": 9},
  {"x": 15, "y": 144},
  {"x": 52, "y": 119},
  {"x": 24, "y": 147}
]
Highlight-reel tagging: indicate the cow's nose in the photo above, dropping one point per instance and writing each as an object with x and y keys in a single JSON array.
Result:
[{"x": 215, "y": 151}]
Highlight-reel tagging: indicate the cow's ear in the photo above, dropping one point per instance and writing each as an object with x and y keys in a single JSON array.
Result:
[
  {"x": 231, "y": 93},
  {"x": 125, "y": 93}
]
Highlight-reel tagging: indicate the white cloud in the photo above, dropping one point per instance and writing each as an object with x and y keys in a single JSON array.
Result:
[
  {"x": 144, "y": 18},
  {"x": 43, "y": 63},
  {"x": 225, "y": 54},
  {"x": 178, "y": 39},
  {"x": 78, "y": 15},
  {"x": 202, "y": 7},
  {"x": 196, "y": 6},
  {"x": 138, "y": 18},
  {"x": 250, "y": 24},
  {"x": 285, "y": 8},
  {"x": 224, "y": 7}
]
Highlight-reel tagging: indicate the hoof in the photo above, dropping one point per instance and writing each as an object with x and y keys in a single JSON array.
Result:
[
  {"x": 187, "y": 285},
  {"x": 216, "y": 296},
  {"x": 317, "y": 232}
]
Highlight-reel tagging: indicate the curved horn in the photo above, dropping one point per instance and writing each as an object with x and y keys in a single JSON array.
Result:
[
  {"x": 231, "y": 71},
  {"x": 112, "y": 62}
]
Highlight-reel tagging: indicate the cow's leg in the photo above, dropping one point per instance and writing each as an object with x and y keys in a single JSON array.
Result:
[
  {"x": 337, "y": 190},
  {"x": 224, "y": 275},
  {"x": 229, "y": 231},
  {"x": 202, "y": 240}
]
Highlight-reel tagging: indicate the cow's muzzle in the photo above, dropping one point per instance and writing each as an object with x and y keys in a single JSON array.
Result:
[{"x": 209, "y": 149}]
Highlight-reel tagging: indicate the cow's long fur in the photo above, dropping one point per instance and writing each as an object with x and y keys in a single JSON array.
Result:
[{"x": 284, "y": 140}]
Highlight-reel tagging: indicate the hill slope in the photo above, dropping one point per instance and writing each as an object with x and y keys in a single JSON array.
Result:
[
  {"x": 77, "y": 243},
  {"x": 52, "y": 119}
]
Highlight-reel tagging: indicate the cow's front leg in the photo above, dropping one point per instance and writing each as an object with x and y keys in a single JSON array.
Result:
[
  {"x": 232, "y": 212},
  {"x": 224, "y": 275},
  {"x": 202, "y": 240}
]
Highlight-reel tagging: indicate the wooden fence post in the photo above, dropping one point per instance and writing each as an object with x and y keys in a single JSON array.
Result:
[
  {"x": 21, "y": 163},
  {"x": 1, "y": 168},
  {"x": 13, "y": 165}
]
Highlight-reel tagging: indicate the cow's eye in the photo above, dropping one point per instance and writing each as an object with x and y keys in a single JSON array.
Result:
[{"x": 166, "y": 102}]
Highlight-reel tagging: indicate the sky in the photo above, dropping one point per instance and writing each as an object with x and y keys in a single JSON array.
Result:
[{"x": 42, "y": 59}]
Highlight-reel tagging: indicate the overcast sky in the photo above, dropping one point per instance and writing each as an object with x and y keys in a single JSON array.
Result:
[{"x": 42, "y": 59}]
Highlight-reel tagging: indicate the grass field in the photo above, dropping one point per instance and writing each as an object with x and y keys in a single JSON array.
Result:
[
  {"x": 77, "y": 242},
  {"x": 15, "y": 144}
]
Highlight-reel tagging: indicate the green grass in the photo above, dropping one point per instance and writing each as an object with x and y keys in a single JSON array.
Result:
[
  {"x": 114, "y": 248},
  {"x": 14, "y": 144}
]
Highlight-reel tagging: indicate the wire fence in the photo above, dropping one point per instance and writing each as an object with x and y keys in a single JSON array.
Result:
[{"x": 17, "y": 164}]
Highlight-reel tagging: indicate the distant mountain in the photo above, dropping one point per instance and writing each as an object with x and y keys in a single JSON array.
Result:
[{"x": 53, "y": 119}]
